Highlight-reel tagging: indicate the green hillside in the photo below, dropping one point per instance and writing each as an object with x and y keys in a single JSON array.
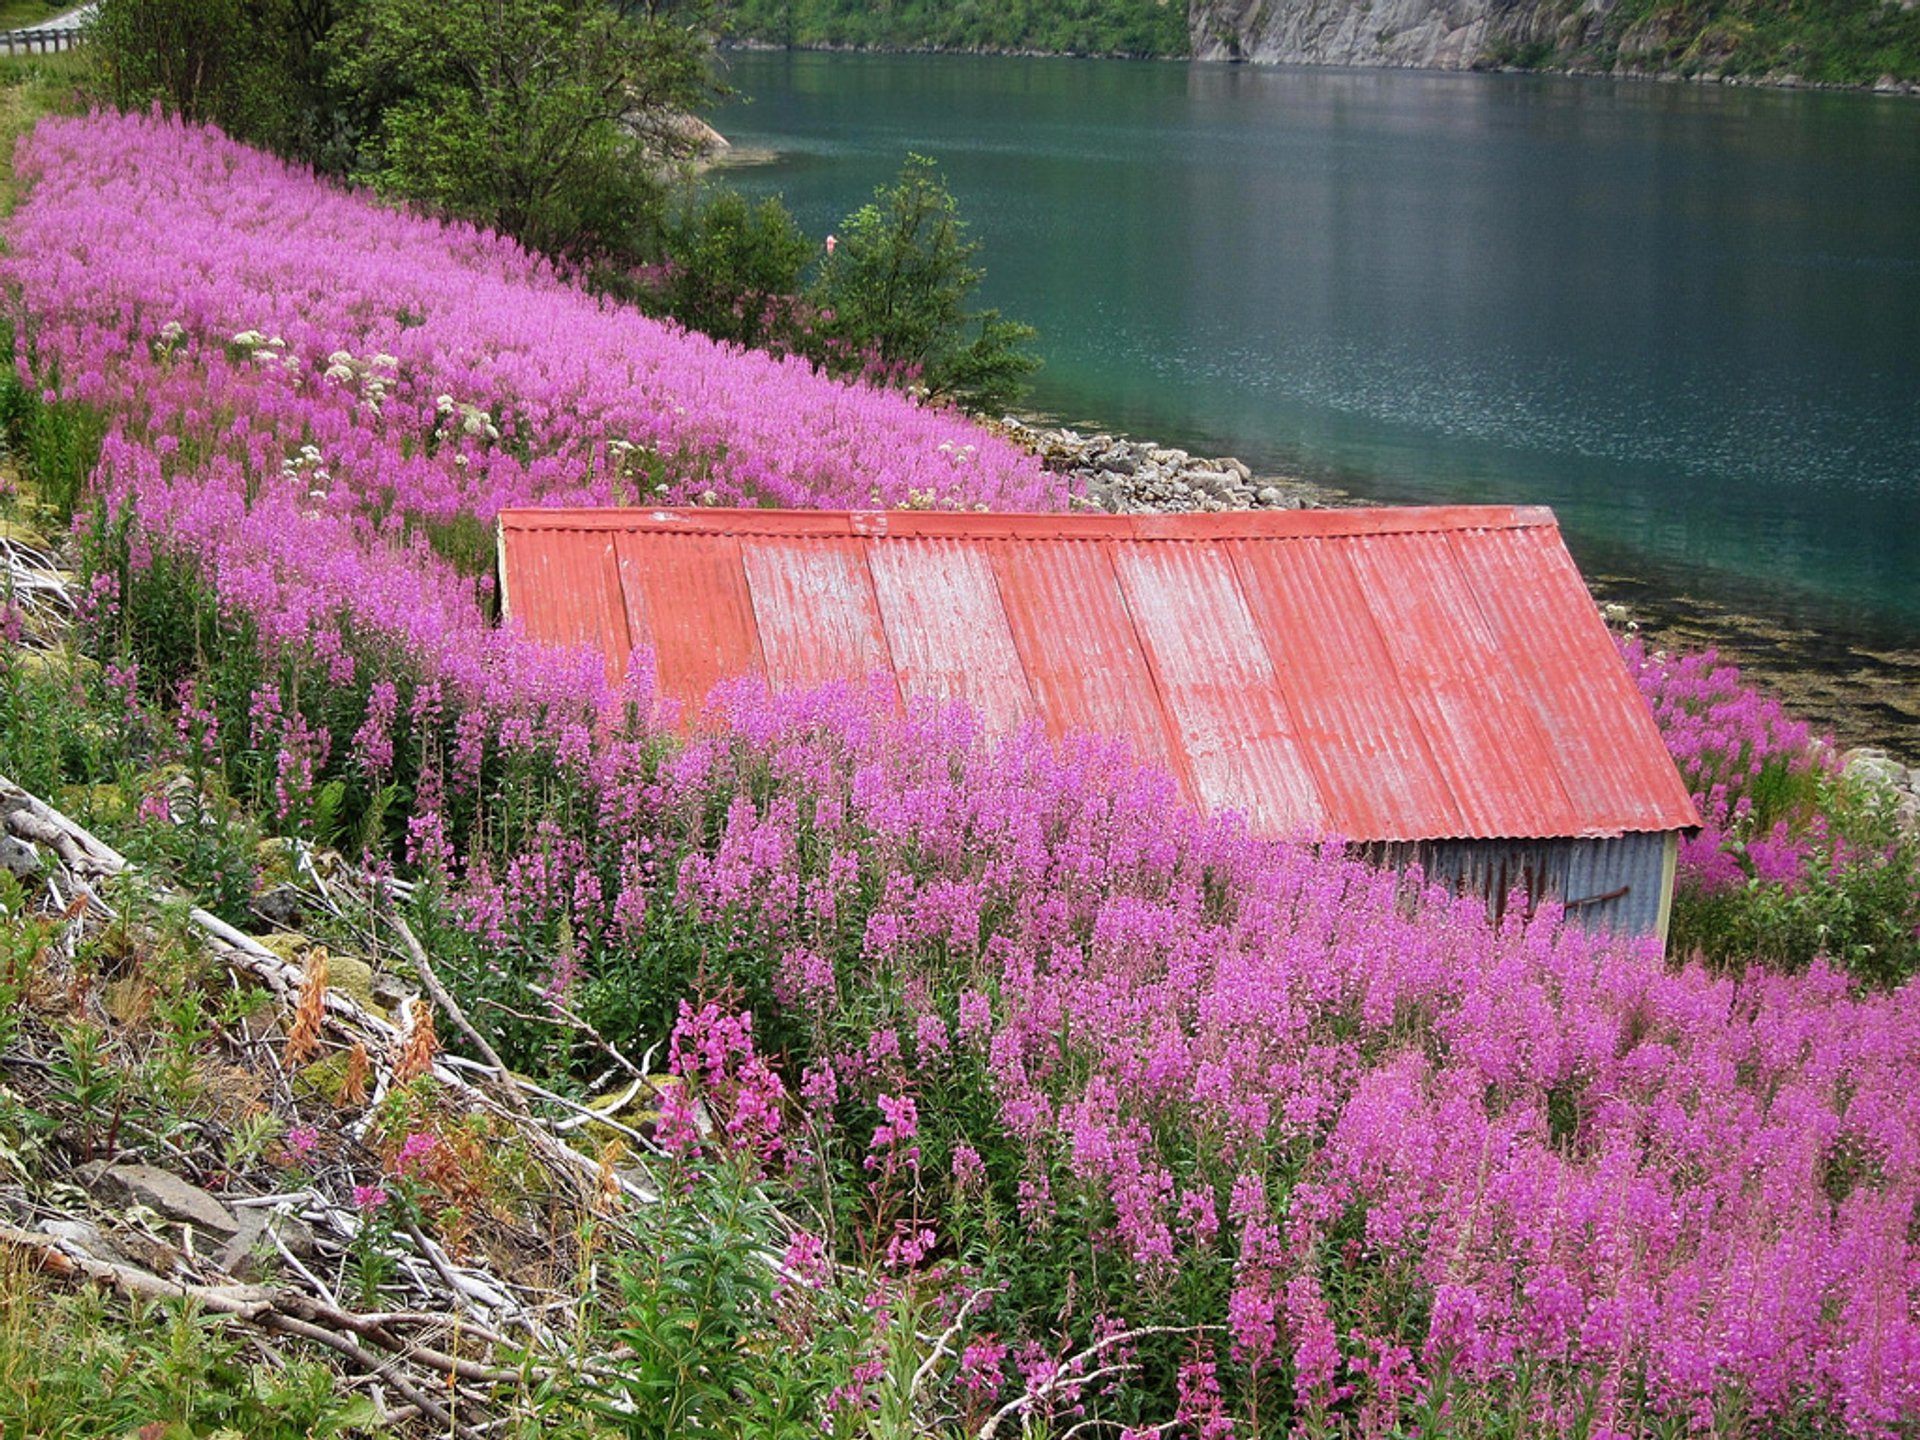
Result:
[
  {"x": 1081, "y": 27},
  {"x": 1841, "y": 42}
]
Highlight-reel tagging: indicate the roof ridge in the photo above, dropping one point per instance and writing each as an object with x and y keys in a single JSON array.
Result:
[{"x": 1025, "y": 525}]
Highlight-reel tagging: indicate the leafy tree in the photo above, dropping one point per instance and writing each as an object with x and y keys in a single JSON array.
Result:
[
  {"x": 254, "y": 67},
  {"x": 552, "y": 120},
  {"x": 733, "y": 268},
  {"x": 895, "y": 289}
]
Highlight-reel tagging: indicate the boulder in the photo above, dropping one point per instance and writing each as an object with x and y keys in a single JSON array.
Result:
[
  {"x": 240, "y": 1257},
  {"x": 1217, "y": 483},
  {"x": 164, "y": 1193},
  {"x": 18, "y": 858}
]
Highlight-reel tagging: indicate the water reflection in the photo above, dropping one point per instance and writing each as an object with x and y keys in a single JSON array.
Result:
[{"x": 1685, "y": 316}]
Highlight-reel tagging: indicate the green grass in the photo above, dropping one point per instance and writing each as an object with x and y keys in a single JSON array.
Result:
[
  {"x": 32, "y": 86},
  {"x": 25, "y": 14}
]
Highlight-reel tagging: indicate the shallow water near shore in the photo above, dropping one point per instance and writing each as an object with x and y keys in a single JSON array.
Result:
[{"x": 1687, "y": 317}]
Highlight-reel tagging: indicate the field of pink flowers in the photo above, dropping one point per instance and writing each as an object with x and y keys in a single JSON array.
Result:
[
  {"x": 299, "y": 383},
  {"x": 1273, "y": 1142}
]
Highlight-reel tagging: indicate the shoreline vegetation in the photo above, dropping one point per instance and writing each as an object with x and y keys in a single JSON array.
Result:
[
  {"x": 1862, "y": 45},
  {"x": 1885, "y": 84}
]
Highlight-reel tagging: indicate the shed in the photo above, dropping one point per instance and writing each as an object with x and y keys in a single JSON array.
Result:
[{"x": 1430, "y": 684}]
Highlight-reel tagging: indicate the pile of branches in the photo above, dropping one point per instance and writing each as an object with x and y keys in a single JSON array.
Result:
[
  {"x": 451, "y": 1338},
  {"x": 36, "y": 592}
]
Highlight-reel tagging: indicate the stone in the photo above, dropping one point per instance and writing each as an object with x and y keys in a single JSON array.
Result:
[
  {"x": 1269, "y": 495},
  {"x": 85, "y": 1236},
  {"x": 280, "y": 906},
  {"x": 18, "y": 858},
  {"x": 1217, "y": 483},
  {"x": 1875, "y": 767},
  {"x": 241, "y": 1255},
  {"x": 164, "y": 1193}
]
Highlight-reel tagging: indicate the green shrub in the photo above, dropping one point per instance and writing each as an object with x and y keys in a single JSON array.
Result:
[
  {"x": 895, "y": 290},
  {"x": 1856, "y": 902},
  {"x": 733, "y": 267}
]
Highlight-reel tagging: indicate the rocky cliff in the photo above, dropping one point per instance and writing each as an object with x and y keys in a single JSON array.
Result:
[{"x": 1429, "y": 34}]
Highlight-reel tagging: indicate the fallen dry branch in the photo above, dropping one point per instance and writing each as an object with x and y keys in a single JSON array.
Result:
[
  {"x": 277, "y": 1312},
  {"x": 451, "y": 1339},
  {"x": 33, "y": 584}
]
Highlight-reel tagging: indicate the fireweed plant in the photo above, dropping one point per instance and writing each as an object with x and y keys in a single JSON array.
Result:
[
  {"x": 1175, "y": 1129},
  {"x": 1794, "y": 860}
]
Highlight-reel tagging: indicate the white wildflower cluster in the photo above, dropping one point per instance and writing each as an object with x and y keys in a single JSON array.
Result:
[
  {"x": 374, "y": 375},
  {"x": 931, "y": 499},
  {"x": 172, "y": 337},
  {"x": 308, "y": 463},
  {"x": 959, "y": 454},
  {"x": 267, "y": 349},
  {"x": 472, "y": 420}
]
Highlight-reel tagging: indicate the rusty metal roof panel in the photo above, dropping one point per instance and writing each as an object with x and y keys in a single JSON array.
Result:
[
  {"x": 687, "y": 595},
  {"x": 819, "y": 617},
  {"x": 1218, "y": 686},
  {"x": 1080, "y": 649},
  {"x": 947, "y": 629},
  {"x": 1382, "y": 674},
  {"x": 1371, "y": 756},
  {"x": 1485, "y": 740},
  {"x": 572, "y": 584},
  {"x": 1598, "y": 731}
]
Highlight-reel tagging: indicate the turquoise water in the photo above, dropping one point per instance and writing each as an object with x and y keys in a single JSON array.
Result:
[{"x": 1687, "y": 317}]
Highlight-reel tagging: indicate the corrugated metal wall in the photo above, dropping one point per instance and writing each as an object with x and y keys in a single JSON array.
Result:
[{"x": 1624, "y": 884}]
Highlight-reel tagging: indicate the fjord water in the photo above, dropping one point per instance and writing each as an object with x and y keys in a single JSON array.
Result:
[{"x": 1687, "y": 317}]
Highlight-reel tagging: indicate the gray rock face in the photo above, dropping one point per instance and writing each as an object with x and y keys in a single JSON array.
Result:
[
  {"x": 1428, "y": 34},
  {"x": 1873, "y": 767},
  {"x": 18, "y": 857}
]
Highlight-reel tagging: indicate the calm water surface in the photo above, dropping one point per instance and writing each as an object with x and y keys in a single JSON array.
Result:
[{"x": 1686, "y": 317}]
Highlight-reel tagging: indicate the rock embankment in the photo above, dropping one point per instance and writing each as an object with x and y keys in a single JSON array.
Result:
[
  {"x": 1874, "y": 767},
  {"x": 1135, "y": 477}
]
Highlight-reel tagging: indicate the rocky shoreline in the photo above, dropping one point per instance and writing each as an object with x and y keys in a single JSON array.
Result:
[{"x": 1124, "y": 476}]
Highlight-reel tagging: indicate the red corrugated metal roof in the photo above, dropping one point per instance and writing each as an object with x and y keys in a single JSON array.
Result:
[{"x": 1380, "y": 674}]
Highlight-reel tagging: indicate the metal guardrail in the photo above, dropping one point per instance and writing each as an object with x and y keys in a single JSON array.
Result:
[
  {"x": 51, "y": 36},
  {"x": 41, "y": 40}
]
